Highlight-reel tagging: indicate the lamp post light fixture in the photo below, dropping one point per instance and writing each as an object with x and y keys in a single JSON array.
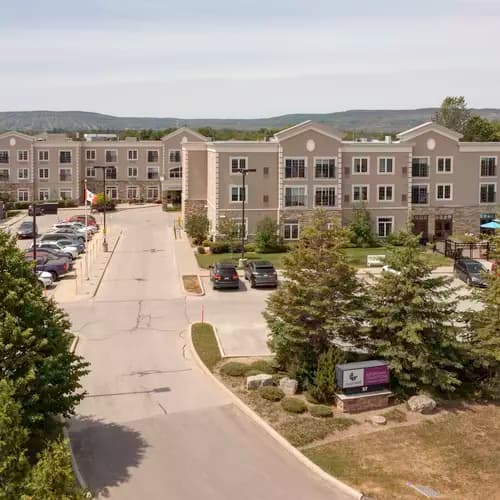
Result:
[
  {"x": 104, "y": 231},
  {"x": 244, "y": 172}
]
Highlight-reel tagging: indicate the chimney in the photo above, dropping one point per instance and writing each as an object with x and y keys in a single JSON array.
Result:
[{"x": 388, "y": 139}]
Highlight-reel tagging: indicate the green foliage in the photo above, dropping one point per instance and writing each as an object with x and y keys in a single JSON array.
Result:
[
  {"x": 293, "y": 405},
  {"x": 263, "y": 366},
  {"x": 414, "y": 323},
  {"x": 197, "y": 226},
  {"x": 230, "y": 233},
  {"x": 235, "y": 369},
  {"x": 205, "y": 343},
  {"x": 480, "y": 129},
  {"x": 266, "y": 235},
  {"x": 453, "y": 113},
  {"x": 227, "y": 134},
  {"x": 201, "y": 250},
  {"x": 361, "y": 234},
  {"x": 319, "y": 300},
  {"x": 101, "y": 199},
  {"x": 218, "y": 247},
  {"x": 321, "y": 411},
  {"x": 52, "y": 476},
  {"x": 271, "y": 393},
  {"x": 323, "y": 389},
  {"x": 34, "y": 344}
]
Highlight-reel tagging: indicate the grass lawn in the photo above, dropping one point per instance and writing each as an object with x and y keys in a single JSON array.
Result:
[
  {"x": 205, "y": 343},
  {"x": 205, "y": 260},
  {"x": 458, "y": 455}
]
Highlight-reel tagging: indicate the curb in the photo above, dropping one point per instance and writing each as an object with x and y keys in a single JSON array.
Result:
[
  {"x": 193, "y": 294},
  {"x": 273, "y": 433},
  {"x": 106, "y": 266}
]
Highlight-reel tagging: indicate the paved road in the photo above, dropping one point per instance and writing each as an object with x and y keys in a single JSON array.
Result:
[{"x": 153, "y": 426}]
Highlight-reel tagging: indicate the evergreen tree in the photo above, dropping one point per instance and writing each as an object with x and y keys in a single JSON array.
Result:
[
  {"x": 324, "y": 388},
  {"x": 414, "y": 322},
  {"x": 319, "y": 300},
  {"x": 34, "y": 344}
]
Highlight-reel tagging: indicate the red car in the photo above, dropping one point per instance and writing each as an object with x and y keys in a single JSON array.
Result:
[{"x": 81, "y": 218}]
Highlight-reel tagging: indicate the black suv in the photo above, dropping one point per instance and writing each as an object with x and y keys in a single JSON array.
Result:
[
  {"x": 224, "y": 275},
  {"x": 471, "y": 271},
  {"x": 261, "y": 273},
  {"x": 26, "y": 230}
]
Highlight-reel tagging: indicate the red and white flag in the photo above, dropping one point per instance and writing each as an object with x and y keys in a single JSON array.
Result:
[{"x": 90, "y": 197}]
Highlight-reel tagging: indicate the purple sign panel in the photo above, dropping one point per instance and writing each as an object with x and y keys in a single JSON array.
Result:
[{"x": 375, "y": 375}]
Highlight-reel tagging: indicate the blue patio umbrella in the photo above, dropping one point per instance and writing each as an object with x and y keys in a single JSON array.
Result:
[{"x": 494, "y": 224}]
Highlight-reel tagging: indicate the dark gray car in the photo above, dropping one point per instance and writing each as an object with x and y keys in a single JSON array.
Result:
[
  {"x": 224, "y": 275},
  {"x": 261, "y": 273},
  {"x": 471, "y": 271},
  {"x": 26, "y": 230}
]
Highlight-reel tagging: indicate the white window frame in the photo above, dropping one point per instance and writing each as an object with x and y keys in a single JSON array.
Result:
[
  {"x": 5, "y": 169},
  {"x": 59, "y": 174},
  {"x": 291, "y": 224},
  {"x": 443, "y": 184},
  {"x": 106, "y": 151},
  {"x": 19, "y": 191},
  {"x": 496, "y": 167},
  {"x": 153, "y": 151},
  {"x": 240, "y": 187},
  {"x": 60, "y": 152},
  {"x": 295, "y": 158},
  {"x": 133, "y": 168},
  {"x": 237, "y": 221},
  {"x": 385, "y": 222},
  {"x": 148, "y": 190},
  {"x": 325, "y": 186},
  {"x": 114, "y": 190},
  {"x": 47, "y": 170},
  {"x": 45, "y": 153},
  {"x": 23, "y": 152},
  {"x": 421, "y": 184},
  {"x": 90, "y": 154},
  {"x": 496, "y": 193},
  {"x": 137, "y": 193},
  {"x": 21, "y": 177},
  {"x": 353, "y": 170},
  {"x": 444, "y": 171},
  {"x": 68, "y": 190},
  {"x": 428, "y": 162},
  {"x": 367, "y": 186},
  {"x": 325, "y": 158},
  {"x": 92, "y": 171},
  {"x": 130, "y": 157},
  {"x": 45, "y": 191},
  {"x": 295, "y": 207},
  {"x": 153, "y": 168},
  {"x": 175, "y": 168},
  {"x": 170, "y": 151},
  {"x": 239, "y": 159},
  {"x": 385, "y": 200},
  {"x": 3, "y": 151},
  {"x": 392, "y": 158}
]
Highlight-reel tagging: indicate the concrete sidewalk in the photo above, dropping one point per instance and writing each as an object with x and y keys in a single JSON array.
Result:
[{"x": 184, "y": 255}]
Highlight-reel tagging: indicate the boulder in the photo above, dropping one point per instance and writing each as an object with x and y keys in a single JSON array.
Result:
[
  {"x": 261, "y": 380},
  {"x": 421, "y": 404},
  {"x": 378, "y": 420},
  {"x": 289, "y": 386}
]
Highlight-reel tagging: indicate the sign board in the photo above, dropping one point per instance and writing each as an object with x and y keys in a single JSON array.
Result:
[{"x": 363, "y": 376}]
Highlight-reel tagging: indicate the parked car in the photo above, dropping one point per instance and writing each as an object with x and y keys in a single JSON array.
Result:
[
  {"x": 56, "y": 267},
  {"x": 82, "y": 227},
  {"x": 65, "y": 238},
  {"x": 58, "y": 248},
  {"x": 74, "y": 226},
  {"x": 26, "y": 230},
  {"x": 50, "y": 254},
  {"x": 261, "y": 273},
  {"x": 69, "y": 231},
  {"x": 44, "y": 278},
  {"x": 91, "y": 221},
  {"x": 38, "y": 211},
  {"x": 223, "y": 275},
  {"x": 471, "y": 272}
]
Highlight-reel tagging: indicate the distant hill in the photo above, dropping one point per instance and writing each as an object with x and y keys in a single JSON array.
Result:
[{"x": 383, "y": 120}]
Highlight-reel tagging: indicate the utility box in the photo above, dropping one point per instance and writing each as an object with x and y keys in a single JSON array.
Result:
[{"x": 362, "y": 377}]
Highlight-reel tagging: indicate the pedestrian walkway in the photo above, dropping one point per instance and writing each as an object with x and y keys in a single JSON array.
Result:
[{"x": 184, "y": 255}]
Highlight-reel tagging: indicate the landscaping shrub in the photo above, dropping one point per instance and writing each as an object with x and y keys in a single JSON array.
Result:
[
  {"x": 12, "y": 213},
  {"x": 266, "y": 235},
  {"x": 320, "y": 411},
  {"x": 219, "y": 247},
  {"x": 235, "y": 369},
  {"x": 197, "y": 226},
  {"x": 361, "y": 229},
  {"x": 252, "y": 372},
  {"x": 294, "y": 405},
  {"x": 206, "y": 243},
  {"x": 249, "y": 247},
  {"x": 271, "y": 393},
  {"x": 323, "y": 389},
  {"x": 263, "y": 366},
  {"x": 201, "y": 250},
  {"x": 310, "y": 397}
]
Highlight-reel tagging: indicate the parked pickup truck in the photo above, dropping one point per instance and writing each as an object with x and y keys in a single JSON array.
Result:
[{"x": 56, "y": 267}]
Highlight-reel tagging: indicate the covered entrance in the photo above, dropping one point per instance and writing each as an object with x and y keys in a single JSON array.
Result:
[
  {"x": 421, "y": 227},
  {"x": 173, "y": 198},
  {"x": 443, "y": 227}
]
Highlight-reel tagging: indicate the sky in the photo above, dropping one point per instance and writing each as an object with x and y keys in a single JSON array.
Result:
[{"x": 246, "y": 58}]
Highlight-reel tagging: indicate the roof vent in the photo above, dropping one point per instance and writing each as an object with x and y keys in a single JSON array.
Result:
[{"x": 388, "y": 139}]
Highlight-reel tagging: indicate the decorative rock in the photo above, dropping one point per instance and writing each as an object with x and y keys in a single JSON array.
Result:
[
  {"x": 289, "y": 386},
  {"x": 421, "y": 404},
  {"x": 378, "y": 420},
  {"x": 261, "y": 380}
]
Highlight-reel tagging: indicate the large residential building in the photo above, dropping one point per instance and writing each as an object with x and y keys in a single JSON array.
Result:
[{"x": 427, "y": 177}]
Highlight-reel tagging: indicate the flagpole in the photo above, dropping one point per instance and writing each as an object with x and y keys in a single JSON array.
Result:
[{"x": 86, "y": 236}]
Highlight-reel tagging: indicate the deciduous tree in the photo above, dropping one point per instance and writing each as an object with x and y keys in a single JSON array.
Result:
[
  {"x": 266, "y": 235},
  {"x": 453, "y": 113},
  {"x": 197, "y": 225}
]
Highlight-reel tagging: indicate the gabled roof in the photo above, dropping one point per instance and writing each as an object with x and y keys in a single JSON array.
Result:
[
  {"x": 183, "y": 130},
  {"x": 18, "y": 134},
  {"x": 321, "y": 128},
  {"x": 409, "y": 134}
]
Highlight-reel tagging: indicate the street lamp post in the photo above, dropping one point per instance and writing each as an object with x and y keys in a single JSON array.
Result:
[
  {"x": 244, "y": 172},
  {"x": 33, "y": 207},
  {"x": 104, "y": 231}
]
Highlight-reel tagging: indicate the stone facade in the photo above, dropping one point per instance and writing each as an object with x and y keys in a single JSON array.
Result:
[{"x": 363, "y": 402}]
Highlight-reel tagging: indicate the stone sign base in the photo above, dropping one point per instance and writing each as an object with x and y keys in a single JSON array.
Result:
[{"x": 366, "y": 401}]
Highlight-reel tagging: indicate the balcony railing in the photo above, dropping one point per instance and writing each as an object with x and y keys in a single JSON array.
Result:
[
  {"x": 153, "y": 175},
  {"x": 65, "y": 177},
  {"x": 420, "y": 171},
  {"x": 420, "y": 198}
]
